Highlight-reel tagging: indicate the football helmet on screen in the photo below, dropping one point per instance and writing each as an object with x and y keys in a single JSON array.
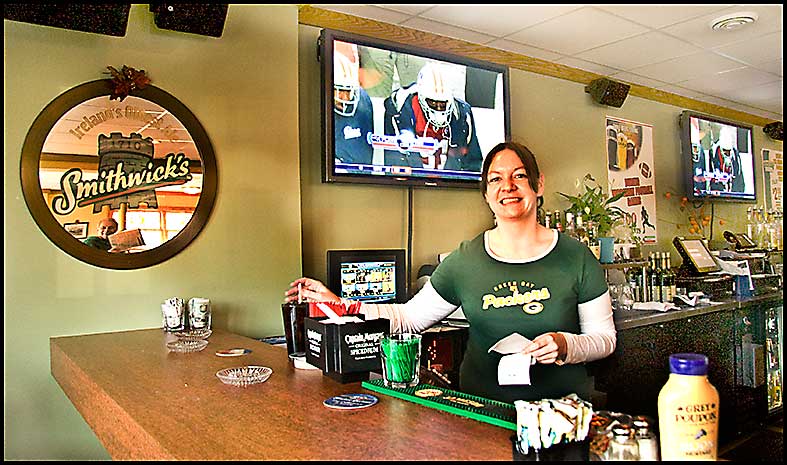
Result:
[
  {"x": 346, "y": 85},
  {"x": 435, "y": 95}
]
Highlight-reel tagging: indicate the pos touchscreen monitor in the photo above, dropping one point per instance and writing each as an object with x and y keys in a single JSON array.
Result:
[
  {"x": 696, "y": 255},
  {"x": 372, "y": 276}
]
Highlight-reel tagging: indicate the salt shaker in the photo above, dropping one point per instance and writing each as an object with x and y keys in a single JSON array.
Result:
[
  {"x": 623, "y": 446},
  {"x": 646, "y": 439}
]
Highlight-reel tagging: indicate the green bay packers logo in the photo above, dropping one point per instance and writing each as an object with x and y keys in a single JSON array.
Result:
[
  {"x": 533, "y": 308},
  {"x": 529, "y": 301}
]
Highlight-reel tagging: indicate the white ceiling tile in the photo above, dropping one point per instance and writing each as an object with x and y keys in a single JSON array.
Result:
[
  {"x": 526, "y": 50},
  {"x": 721, "y": 84},
  {"x": 578, "y": 30},
  {"x": 620, "y": 41},
  {"x": 587, "y": 66},
  {"x": 699, "y": 32},
  {"x": 773, "y": 67},
  {"x": 406, "y": 8},
  {"x": 641, "y": 50},
  {"x": 496, "y": 20},
  {"x": 687, "y": 67},
  {"x": 657, "y": 16},
  {"x": 766, "y": 94},
  {"x": 368, "y": 11},
  {"x": 435, "y": 27},
  {"x": 756, "y": 50},
  {"x": 632, "y": 78}
]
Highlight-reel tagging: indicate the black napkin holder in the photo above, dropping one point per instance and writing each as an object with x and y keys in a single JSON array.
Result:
[{"x": 345, "y": 352}]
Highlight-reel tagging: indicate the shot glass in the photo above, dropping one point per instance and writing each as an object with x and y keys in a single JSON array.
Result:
[
  {"x": 199, "y": 313},
  {"x": 293, "y": 315},
  {"x": 401, "y": 359},
  {"x": 173, "y": 312}
]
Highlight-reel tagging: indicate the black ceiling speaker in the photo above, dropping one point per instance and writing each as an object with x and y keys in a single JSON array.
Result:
[
  {"x": 100, "y": 18},
  {"x": 205, "y": 19},
  {"x": 774, "y": 130},
  {"x": 608, "y": 92}
]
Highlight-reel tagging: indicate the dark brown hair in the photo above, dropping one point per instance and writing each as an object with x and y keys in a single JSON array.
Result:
[{"x": 524, "y": 154}]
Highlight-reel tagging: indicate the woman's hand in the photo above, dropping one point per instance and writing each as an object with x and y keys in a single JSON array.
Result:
[
  {"x": 548, "y": 348},
  {"x": 311, "y": 290}
]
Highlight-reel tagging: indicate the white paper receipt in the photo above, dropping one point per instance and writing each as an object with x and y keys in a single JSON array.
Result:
[{"x": 514, "y": 367}]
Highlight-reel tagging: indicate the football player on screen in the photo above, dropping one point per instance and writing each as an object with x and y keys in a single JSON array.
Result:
[
  {"x": 726, "y": 163},
  {"x": 428, "y": 109},
  {"x": 353, "y": 113}
]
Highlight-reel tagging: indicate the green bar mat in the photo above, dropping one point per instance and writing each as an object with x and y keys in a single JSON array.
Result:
[{"x": 465, "y": 405}]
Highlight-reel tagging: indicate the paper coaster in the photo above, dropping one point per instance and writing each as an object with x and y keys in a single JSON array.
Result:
[
  {"x": 350, "y": 401},
  {"x": 233, "y": 352}
]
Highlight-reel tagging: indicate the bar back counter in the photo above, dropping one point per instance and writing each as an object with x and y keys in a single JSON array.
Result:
[
  {"x": 145, "y": 403},
  {"x": 731, "y": 333}
]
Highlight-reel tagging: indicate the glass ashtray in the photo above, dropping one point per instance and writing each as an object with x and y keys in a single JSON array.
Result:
[
  {"x": 244, "y": 376},
  {"x": 194, "y": 334},
  {"x": 185, "y": 345}
]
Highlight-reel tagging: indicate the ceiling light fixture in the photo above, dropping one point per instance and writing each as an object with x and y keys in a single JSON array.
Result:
[{"x": 733, "y": 21}]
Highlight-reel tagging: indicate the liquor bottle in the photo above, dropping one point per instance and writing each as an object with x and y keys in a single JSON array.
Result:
[
  {"x": 558, "y": 218},
  {"x": 569, "y": 228},
  {"x": 655, "y": 279},
  {"x": 688, "y": 409},
  {"x": 666, "y": 285},
  {"x": 548, "y": 220},
  {"x": 672, "y": 278},
  {"x": 580, "y": 231},
  {"x": 592, "y": 230}
]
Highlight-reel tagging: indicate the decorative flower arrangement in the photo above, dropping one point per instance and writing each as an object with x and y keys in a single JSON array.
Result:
[
  {"x": 125, "y": 81},
  {"x": 697, "y": 219},
  {"x": 595, "y": 205}
]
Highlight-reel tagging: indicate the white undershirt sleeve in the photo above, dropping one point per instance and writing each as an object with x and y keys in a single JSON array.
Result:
[
  {"x": 421, "y": 312},
  {"x": 598, "y": 336}
]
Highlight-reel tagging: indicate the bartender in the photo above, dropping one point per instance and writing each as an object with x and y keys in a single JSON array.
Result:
[{"x": 518, "y": 277}]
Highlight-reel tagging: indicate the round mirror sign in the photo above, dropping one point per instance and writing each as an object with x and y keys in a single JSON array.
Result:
[{"x": 118, "y": 183}]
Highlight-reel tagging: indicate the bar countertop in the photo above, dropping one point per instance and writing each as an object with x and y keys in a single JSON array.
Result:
[
  {"x": 144, "y": 403},
  {"x": 629, "y": 319}
]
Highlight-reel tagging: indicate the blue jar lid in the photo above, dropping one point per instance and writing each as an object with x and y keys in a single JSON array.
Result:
[{"x": 688, "y": 364}]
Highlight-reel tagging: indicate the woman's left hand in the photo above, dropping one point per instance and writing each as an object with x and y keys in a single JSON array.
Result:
[{"x": 548, "y": 348}]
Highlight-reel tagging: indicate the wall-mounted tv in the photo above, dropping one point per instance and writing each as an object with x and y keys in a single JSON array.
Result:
[
  {"x": 718, "y": 157},
  {"x": 401, "y": 115},
  {"x": 371, "y": 275}
]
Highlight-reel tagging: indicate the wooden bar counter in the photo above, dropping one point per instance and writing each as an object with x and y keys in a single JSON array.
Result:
[{"x": 145, "y": 403}]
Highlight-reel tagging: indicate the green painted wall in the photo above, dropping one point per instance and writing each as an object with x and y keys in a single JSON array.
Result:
[{"x": 242, "y": 87}]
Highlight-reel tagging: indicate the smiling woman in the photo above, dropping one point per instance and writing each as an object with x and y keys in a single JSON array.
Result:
[{"x": 141, "y": 161}]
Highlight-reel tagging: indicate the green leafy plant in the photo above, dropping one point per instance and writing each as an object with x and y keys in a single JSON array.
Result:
[{"x": 596, "y": 206}]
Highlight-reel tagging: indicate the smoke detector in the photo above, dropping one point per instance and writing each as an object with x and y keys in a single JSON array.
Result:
[{"x": 733, "y": 20}]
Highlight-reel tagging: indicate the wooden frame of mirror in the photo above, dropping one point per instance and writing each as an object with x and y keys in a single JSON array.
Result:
[{"x": 43, "y": 216}]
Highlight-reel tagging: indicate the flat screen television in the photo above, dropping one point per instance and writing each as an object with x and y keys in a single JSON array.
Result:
[
  {"x": 719, "y": 158},
  {"x": 371, "y": 276},
  {"x": 396, "y": 114}
]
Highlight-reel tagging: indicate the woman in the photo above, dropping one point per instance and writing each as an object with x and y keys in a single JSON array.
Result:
[{"x": 516, "y": 277}]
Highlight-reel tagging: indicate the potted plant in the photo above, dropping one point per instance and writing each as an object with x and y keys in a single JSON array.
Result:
[{"x": 595, "y": 205}]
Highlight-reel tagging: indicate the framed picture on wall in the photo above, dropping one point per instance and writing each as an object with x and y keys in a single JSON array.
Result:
[{"x": 77, "y": 229}]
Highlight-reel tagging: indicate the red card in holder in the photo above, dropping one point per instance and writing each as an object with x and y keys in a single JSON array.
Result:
[{"x": 339, "y": 307}]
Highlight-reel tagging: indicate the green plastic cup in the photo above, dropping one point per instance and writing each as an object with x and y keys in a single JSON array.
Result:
[{"x": 401, "y": 358}]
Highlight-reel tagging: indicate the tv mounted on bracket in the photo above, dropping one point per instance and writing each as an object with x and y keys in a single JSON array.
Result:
[
  {"x": 396, "y": 114},
  {"x": 718, "y": 157}
]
